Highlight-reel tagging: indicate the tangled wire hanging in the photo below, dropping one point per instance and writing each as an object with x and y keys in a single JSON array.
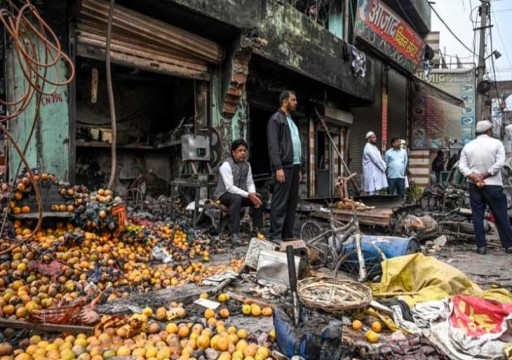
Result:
[{"x": 36, "y": 49}]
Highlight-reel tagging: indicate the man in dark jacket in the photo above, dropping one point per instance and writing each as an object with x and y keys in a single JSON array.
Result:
[{"x": 284, "y": 150}]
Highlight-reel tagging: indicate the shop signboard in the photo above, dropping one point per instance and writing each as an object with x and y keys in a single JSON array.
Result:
[
  {"x": 389, "y": 34},
  {"x": 438, "y": 124}
]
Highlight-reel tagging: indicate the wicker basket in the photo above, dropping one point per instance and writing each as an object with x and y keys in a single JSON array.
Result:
[{"x": 333, "y": 295}]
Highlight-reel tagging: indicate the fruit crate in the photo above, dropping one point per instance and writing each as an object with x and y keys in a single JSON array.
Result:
[{"x": 50, "y": 198}]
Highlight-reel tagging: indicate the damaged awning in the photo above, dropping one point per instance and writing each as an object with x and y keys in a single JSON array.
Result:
[
  {"x": 425, "y": 87},
  {"x": 143, "y": 42}
]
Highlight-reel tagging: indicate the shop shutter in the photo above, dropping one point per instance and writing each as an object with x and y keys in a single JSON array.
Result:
[
  {"x": 144, "y": 42},
  {"x": 397, "y": 105},
  {"x": 367, "y": 118}
]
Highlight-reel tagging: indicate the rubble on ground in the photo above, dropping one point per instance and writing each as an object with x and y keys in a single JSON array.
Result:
[{"x": 99, "y": 280}]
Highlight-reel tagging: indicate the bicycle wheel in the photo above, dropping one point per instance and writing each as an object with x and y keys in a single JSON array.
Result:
[
  {"x": 348, "y": 262},
  {"x": 320, "y": 247},
  {"x": 310, "y": 230}
]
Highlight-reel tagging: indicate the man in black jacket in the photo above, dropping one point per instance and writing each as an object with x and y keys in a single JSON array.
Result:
[{"x": 284, "y": 150}]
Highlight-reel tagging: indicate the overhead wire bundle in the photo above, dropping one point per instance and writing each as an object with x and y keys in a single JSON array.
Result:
[{"x": 37, "y": 50}]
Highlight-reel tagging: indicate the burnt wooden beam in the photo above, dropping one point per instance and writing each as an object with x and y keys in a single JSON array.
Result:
[
  {"x": 25, "y": 325},
  {"x": 159, "y": 298}
]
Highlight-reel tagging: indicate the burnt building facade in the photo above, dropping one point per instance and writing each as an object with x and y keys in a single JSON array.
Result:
[{"x": 216, "y": 68}]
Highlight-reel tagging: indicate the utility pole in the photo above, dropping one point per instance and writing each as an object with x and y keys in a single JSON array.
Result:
[{"x": 484, "y": 11}]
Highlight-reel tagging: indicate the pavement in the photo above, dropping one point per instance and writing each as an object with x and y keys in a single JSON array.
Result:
[{"x": 490, "y": 270}]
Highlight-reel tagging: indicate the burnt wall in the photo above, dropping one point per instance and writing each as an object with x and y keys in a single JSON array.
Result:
[
  {"x": 296, "y": 42},
  {"x": 291, "y": 40}
]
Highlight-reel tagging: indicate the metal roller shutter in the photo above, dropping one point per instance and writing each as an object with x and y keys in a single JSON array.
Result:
[
  {"x": 144, "y": 42},
  {"x": 397, "y": 105},
  {"x": 365, "y": 119}
]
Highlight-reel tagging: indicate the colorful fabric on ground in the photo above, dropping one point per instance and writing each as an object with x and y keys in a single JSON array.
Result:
[
  {"x": 429, "y": 279},
  {"x": 478, "y": 317}
]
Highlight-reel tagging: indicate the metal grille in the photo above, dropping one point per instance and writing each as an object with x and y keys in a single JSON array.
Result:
[{"x": 397, "y": 105}]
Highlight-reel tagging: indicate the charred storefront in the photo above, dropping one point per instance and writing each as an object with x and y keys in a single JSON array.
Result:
[
  {"x": 327, "y": 79},
  {"x": 213, "y": 69},
  {"x": 398, "y": 49},
  {"x": 161, "y": 84}
]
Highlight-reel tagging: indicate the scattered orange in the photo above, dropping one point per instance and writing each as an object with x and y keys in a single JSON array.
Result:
[
  {"x": 266, "y": 311},
  {"x": 357, "y": 325},
  {"x": 209, "y": 313},
  {"x": 171, "y": 328},
  {"x": 223, "y": 298},
  {"x": 223, "y": 343},
  {"x": 224, "y": 313},
  {"x": 242, "y": 333},
  {"x": 202, "y": 341},
  {"x": 372, "y": 337},
  {"x": 255, "y": 310},
  {"x": 183, "y": 331},
  {"x": 377, "y": 326}
]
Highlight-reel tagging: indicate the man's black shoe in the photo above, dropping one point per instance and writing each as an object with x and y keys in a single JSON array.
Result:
[
  {"x": 235, "y": 240},
  {"x": 508, "y": 250},
  {"x": 482, "y": 250}
]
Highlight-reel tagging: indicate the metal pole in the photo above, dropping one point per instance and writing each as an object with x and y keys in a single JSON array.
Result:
[
  {"x": 484, "y": 8},
  {"x": 324, "y": 125},
  {"x": 346, "y": 20}
]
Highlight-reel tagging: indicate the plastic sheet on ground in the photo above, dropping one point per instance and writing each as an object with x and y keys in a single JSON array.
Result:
[
  {"x": 474, "y": 329},
  {"x": 424, "y": 278},
  {"x": 480, "y": 317},
  {"x": 464, "y": 327}
]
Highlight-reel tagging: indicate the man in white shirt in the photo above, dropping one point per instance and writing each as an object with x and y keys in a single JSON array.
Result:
[
  {"x": 236, "y": 188},
  {"x": 481, "y": 162}
]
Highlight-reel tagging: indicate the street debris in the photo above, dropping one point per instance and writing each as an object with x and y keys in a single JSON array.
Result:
[{"x": 132, "y": 281}]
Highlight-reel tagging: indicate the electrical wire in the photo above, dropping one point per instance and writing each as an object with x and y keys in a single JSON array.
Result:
[
  {"x": 502, "y": 42},
  {"x": 450, "y": 30},
  {"x": 501, "y": 10},
  {"x": 492, "y": 63},
  {"x": 28, "y": 32},
  {"x": 113, "y": 160},
  {"x": 27, "y": 29},
  {"x": 474, "y": 22}
]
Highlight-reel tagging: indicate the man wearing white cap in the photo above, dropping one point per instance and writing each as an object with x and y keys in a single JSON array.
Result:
[
  {"x": 374, "y": 166},
  {"x": 481, "y": 162}
]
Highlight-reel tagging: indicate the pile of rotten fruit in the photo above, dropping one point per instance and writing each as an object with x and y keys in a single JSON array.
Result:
[{"x": 60, "y": 273}]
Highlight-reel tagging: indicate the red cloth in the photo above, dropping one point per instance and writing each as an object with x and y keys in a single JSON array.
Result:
[{"x": 478, "y": 316}]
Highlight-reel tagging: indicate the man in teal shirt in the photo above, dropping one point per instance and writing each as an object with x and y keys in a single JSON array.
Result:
[
  {"x": 284, "y": 149},
  {"x": 396, "y": 160}
]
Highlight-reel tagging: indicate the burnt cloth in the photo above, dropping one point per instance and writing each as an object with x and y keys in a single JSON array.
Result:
[{"x": 412, "y": 348}]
